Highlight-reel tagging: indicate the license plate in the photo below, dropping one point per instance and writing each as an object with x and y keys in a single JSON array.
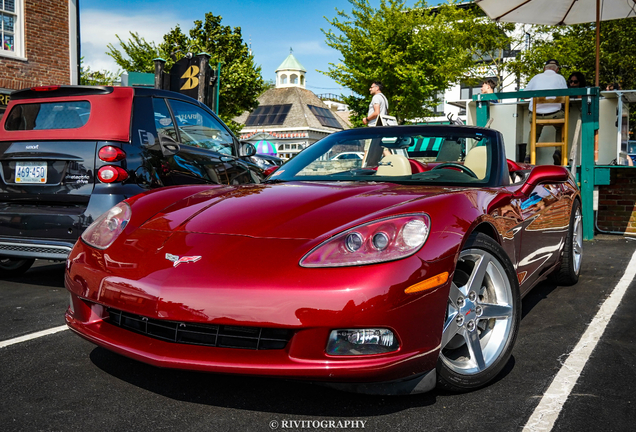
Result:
[{"x": 30, "y": 172}]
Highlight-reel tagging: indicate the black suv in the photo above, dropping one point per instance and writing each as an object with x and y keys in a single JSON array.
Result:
[{"x": 70, "y": 153}]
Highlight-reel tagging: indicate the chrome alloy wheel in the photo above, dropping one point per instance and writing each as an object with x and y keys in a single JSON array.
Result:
[
  {"x": 479, "y": 316},
  {"x": 577, "y": 241}
]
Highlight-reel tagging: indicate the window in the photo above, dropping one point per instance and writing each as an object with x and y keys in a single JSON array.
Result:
[
  {"x": 439, "y": 108},
  {"x": 11, "y": 28},
  {"x": 50, "y": 115},
  {"x": 163, "y": 120},
  {"x": 268, "y": 115},
  {"x": 283, "y": 79},
  {"x": 200, "y": 129},
  {"x": 293, "y": 79},
  {"x": 467, "y": 91},
  {"x": 325, "y": 117}
]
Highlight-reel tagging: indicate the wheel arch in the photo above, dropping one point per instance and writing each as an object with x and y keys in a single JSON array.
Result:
[{"x": 487, "y": 228}]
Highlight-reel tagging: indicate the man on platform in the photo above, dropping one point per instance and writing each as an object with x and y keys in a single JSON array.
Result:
[{"x": 548, "y": 80}]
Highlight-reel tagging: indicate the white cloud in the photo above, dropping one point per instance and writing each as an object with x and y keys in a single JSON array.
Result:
[
  {"x": 99, "y": 28},
  {"x": 313, "y": 48}
]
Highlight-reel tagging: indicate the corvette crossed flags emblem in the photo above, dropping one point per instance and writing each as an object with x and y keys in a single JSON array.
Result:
[{"x": 176, "y": 260}]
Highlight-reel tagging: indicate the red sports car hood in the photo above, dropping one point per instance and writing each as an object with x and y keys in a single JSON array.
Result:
[{"x": 289, "y": 210}]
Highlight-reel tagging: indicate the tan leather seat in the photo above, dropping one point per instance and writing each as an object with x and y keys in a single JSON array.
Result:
[
  {"x": 394, "y": 165},
  {"x": 477, "y": 161}
]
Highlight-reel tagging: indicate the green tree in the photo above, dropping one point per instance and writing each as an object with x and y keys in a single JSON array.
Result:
[
  {"x": 575, "y": 46},
  {"x": 495, "y": 47},
  {"x": 416, "y": 53},
  {"x": 138, "y": 55},
  {"x": 103, "y": 77},
  {"x": 241, "y": 80}
]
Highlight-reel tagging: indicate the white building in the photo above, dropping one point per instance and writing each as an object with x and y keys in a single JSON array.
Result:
[
  {"x": 289, "y": 117},
  {"x": 454, "y": 100}
]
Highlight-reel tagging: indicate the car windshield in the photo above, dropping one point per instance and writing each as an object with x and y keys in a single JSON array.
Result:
[{"x": 404, "y": 154}]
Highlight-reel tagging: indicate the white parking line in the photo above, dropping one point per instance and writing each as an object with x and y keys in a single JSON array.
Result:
[
  {"x": 546, "y": 413},
  {"x": 35, "y": 335}
]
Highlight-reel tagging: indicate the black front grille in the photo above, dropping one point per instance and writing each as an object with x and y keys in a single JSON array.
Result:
[{"x": 256, "y": 338}]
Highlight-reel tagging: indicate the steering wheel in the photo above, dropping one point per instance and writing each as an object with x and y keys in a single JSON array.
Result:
[{"x": 459, "y": 166}]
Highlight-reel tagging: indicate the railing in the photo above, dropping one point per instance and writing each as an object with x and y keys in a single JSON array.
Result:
[
  {"x": 330, "y": 97},
  {"x": 589, "y": 128}
]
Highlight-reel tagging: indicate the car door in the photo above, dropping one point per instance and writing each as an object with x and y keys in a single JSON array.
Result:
[
  {"x": 545, "y": 221},
  {"x": 207, "y": 150}
]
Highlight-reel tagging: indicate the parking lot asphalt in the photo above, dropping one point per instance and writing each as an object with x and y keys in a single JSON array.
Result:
[{"x": 61, "y": 382}]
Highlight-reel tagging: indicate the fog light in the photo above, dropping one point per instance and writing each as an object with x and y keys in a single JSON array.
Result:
[{"x": 361, "y": 341}]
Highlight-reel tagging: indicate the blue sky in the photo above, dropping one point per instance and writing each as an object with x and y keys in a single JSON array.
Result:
[{"x": 273, "y": 26}]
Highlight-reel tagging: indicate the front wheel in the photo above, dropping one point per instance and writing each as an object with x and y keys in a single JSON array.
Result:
[
  {"x": 482, "y": 317},
  {"x": 14, "y": 266}
]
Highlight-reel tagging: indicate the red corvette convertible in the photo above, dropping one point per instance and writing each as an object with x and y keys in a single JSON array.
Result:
[{"x": 389, "y": 274}]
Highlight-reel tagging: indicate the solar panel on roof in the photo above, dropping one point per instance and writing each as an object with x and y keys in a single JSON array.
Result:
[
  {"x": 268, "y": 115},
  {"x": 325, "y": 117}
]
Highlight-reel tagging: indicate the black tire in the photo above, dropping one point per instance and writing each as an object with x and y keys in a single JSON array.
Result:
[
  {"x": 14, "y": 266},
  {"x": 482, "y": 317},
  {"x": 570, "y": 268}
]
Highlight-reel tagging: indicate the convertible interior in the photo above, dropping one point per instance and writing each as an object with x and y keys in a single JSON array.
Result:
[{"x": 440, "y": 154}]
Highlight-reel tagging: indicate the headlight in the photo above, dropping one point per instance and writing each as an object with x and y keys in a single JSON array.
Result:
[
  {"x": 374, "y": 242},
  {"x": 361, "y": 341},
  {"x": 106, "y": 228}
]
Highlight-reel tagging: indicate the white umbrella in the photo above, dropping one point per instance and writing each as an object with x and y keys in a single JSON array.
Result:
[{"x": 559, "y": 12}]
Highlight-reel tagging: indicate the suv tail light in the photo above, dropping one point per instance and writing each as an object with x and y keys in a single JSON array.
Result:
[
  {"x": 111, "y": 154},
  {"x": 111, "y": 174}
]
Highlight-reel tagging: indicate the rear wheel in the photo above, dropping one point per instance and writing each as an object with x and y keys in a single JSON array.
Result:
[
  {"x": 568, "y": 273},
  {"x": 14, "y": 266},
  {"x": 482, "y": 317}
]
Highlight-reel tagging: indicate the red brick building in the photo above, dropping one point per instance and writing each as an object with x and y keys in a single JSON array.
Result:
[{"x": 39, "y": 44}]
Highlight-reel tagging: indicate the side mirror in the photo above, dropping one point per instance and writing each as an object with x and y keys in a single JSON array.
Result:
[
  {"x": 543, "y": 174},
  {"x": 247, "y": 149}
]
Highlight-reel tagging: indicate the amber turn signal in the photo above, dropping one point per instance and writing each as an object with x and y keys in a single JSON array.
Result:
[{"x": 429, "y": 283}]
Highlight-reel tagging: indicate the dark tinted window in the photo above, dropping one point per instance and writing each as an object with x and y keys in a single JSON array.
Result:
[
  {"x": 325, "y": 117},
  {"x": 268, "y": 115},
  {"x": 163, "y": 120},
  {"x": 200, "y": 129},
  {"x": 49, "y": 115}
]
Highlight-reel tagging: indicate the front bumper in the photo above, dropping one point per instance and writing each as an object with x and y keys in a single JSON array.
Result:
[
  {"x": 275, "y": 363},
  {"x": 309, "y": 303}
]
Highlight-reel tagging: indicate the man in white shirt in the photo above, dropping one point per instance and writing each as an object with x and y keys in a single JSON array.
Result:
[
  {"x": 548, "y": 80},
  {"x": 379, "y": 104}
]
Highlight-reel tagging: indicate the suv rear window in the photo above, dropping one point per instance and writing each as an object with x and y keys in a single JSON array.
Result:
[{"x": 48, "y": 115}]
